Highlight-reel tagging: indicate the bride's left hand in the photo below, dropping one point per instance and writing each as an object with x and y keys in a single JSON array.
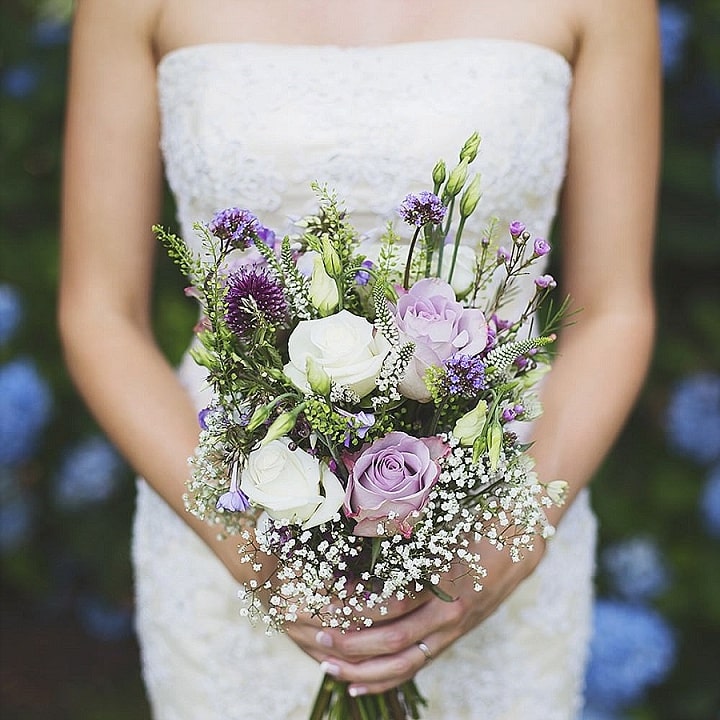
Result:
[{"x": 383, "y": 656}]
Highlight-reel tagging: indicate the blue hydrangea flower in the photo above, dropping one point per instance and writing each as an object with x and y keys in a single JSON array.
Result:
[
  {"x": 632, "y": 648},
  {"x": 636, "y": 569},
  {"x": 25, "y": 404},
  {"x": 49, "y": 32},
  {"x": 11, "y": 311},
  {"x": 102, "y": 620},
  {"x": 16, "y": 514},
  {"x": 89, "y": 473},
  {"x": 710, "y": 503},
  {"x": 674, "y": 29},
  {"x": 19, "y": 81},
  {"x": 693, "y": 417}
]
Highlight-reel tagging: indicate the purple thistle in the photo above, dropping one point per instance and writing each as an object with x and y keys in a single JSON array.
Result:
[
  {"x": 516, "y": 229},
  {"x": 540, "y": 247},
  {"x": 464, "y": 375},
  {"x": 253, "y": 281},
  {"x": 421, "y": 209},
  {"x": 236, "y": 228}
]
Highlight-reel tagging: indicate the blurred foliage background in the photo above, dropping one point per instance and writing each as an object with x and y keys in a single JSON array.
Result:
[{"x": 66, "y": 497}]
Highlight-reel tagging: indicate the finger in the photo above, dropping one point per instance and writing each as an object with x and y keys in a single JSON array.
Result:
[{"x": 377, "y": 674}]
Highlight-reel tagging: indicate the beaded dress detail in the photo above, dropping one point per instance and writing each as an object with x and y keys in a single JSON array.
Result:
[{"x": 253, "y": 125}]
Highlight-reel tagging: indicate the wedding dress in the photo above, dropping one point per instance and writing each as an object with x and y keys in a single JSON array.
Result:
[{"x": 252, "y": 125}]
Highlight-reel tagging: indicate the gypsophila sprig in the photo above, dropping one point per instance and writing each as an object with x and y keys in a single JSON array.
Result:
[{"x": 361, "y": 439}]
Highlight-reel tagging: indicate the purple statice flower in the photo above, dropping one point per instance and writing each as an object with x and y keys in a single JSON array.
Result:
[
  {"x": 362, "y": 277},
  {"x": 541, "y": 247},
  {"x": 503, "y": 255},
  {"x": 236, "y": 228},
  {"x": 516, "y": 229},
  {"x": 464, "y": 375},
  {"x": 693, "y": 417},
  {"x": 545, "y": 281},
  {"x": 710, "y": 503},
  {"x": 636, "y": 569},
  {"x": 253, "y": 281},
  {"x": 508, "y": 414},
  {"x": 234, "y": 500},
  {"x": 421, "y": 209},
  {"x": 631, "y": 649}
]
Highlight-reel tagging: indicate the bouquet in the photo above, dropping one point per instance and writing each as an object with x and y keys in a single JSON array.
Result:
[{"x": 363, "y": 432}]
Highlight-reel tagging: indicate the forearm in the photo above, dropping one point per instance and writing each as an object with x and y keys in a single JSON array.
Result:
[
  {"x": 587, "y": 396},
  {"x": 137, "y": 399}
]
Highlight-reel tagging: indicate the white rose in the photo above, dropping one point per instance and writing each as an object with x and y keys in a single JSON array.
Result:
[
  {"x": 291, "y": 484},
  {"x": 345, "y": 346}
]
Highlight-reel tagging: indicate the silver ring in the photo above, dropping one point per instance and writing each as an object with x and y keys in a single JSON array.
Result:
[{"x": 425, "y": 650}]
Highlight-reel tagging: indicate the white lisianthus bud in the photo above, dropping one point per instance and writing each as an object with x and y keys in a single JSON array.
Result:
[
  {"x": 331, "y": 260},
  {"x": 282, "y": 425},
  {"x": 557, "y": 491},
  {"x": 318, "y": 380},
  {"x": 495, "y": 439},
  {"x": 470, "y": 197},
  {"x": 457, "y": 179},
  {"x": 470, "y": 148},
  {"x": 324, "y": 293},
  {"x": 468, "y": 428},
  {"x": 439, "y": 173}
]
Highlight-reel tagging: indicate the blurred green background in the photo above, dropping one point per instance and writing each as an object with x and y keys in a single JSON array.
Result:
[{"x": 67, "y": 649}]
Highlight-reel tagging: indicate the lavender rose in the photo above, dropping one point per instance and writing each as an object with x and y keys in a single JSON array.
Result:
[
  {"x": 431, "y": 317},
  {"x": 390, "y": 482}
]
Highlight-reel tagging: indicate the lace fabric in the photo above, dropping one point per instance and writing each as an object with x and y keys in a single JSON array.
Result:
[{"x": 254, "y": 126}]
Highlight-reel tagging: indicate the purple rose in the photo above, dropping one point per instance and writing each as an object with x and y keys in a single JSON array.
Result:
[
  {"x": 390, "y": 482},
  {"x": 430, "y": 316}
]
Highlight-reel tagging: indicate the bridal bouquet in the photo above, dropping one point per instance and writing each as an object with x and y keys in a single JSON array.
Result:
[{"x": 362, "y": 435}]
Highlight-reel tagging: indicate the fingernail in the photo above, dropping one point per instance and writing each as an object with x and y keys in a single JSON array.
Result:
[
  {"x": 354, "y": 691},
  {"x": 324, "y": 639},
  {"x": 329, "y": 668}
]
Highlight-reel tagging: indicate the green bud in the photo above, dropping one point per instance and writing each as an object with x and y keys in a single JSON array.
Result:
[
  {"x": 324, "y": 293},
  {"x": 469, "y": 427},
  {"x": 317, "y": 378},
  {"x": 470, "y": 148},
  {"x": 495, "y": 441},
  {"x": 439, "y": 173},
  {"x": 470, "y": 197},
  {"x": 282, "y": 425},
  {"x": 457, "y": 179},
  {"x": 331, "y": 260},
  {"x": 261, "y": 414}
]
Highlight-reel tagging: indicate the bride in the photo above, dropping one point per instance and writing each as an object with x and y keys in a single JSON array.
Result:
[{"x": 246, "y": 102}]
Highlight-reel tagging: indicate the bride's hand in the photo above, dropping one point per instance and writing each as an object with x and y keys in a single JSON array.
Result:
[{"x": 388, "y": 653}]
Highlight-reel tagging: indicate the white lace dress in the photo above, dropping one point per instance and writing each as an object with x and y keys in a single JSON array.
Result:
[{"x": 252, "y": 126}]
